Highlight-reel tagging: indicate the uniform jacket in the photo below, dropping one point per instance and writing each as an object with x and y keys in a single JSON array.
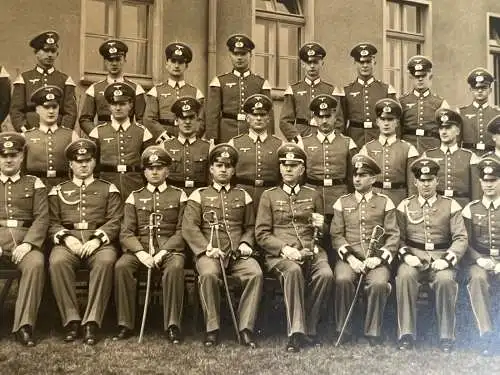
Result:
[
  {"x": 476, "y": 117},
  {"x": 4, "y": 93},
  {"x": 22, "y": 111}
]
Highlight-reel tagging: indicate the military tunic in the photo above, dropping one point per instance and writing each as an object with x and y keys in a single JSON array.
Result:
[
  {"x": 284, "y": 219},
  {"x": 235, "y": 214},
  {"x": 4, "y": 94},
  {"x": 95, "y": 104},
  {"x": 358, "y": 103},
  {"x": 134, "y": 237},
  {"x": 120, "y": 149},
  {"x": 394, "y": 157},
  {"x": 158, "y": 117},
  {"x": 353, "y": 221},
  {"x": 296, "y": 118},
  {"x": 418, "y": 125},
  {"x": 190, "y": 168},
  {"x": 429, "y": 230},
  {"x": 22, "y": 110},
  {"x": 85, "y": 209},
  {"x": 225, "y": 118},
  {"x": 24, "y": 218},
  {"x": 475, "y": 136}
]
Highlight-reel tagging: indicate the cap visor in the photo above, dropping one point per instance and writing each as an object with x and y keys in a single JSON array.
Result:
[
  {"x": 120, "y": 99},
  {"x": 240, "y": 49},
  {"x": 489, "y": 177},
  {"x": 10, "y": 151},
  {"x": 82, "y": 157},
  {"x": 388, "y": 116},
  {"x": 425, "y": 177},
  {"x": 291, "y": 161},
  {"x": 420, "y": 73},
  {"x": 187, "y": 114}
]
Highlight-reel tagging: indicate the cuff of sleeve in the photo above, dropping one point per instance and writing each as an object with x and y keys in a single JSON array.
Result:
[
  {"x": 386, "y": 256},
  {"x": 451, "y": 258},
  {"x": 403, "y": 252},
  {"x": 102, "y": 236},
  {"x": 344, "y": 251},
  {"x": 59, "y": 236}
]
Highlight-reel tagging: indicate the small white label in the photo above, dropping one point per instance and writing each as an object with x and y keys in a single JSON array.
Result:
[
  {"x": 121, "y": 168},
  {"x": 368, "y": 124},
  {"x": 420, "y": 132},
  {"x": 241, "y": 117},
  {"x": 429, "y": 246},
  {"x": 328, "y": 182},
  {"x": 448, "y": 193},
  {"x": 387, "y": 185}
]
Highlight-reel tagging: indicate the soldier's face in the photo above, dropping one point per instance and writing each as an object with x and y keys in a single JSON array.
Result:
[
  {"x": 363, "y": 182},
  {"x": 491, "y": 188},
  {"x": 121, "y": 110},
  {"x": 312, "y": 68},
  {"x": 291, "y": 172},
  {"x": 421, "y": 82},
  {"x": 82, "y": 168},
  {"x": 426, "y": 188},
  {"x": 156, "y": 174},
  {"x": 175, "y": 68},
  {"x": 449, "y": 134},
  {"x": 387, "y": 126},
  {"x": 10, "y": 164},
  {"x": 258, "y": 122},
  {"x": 188, "y": 125},
  {"x": 48, "y": 113},
  {"x": 114, "y": 66},
  {"x": 365, "y": 68},
  {"x": 481, "y": 93},
  {"x": 326, "y": 122},
  {"x": 240, "y": 60},
  {"x": 46, "y": 57},
  {"x": 221, "y": 172}
]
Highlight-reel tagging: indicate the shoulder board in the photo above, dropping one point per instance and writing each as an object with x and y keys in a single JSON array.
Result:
[
  {"x": 271, "y": 189},
  {"x": 102, "y": 124},
  {"x": 308, "y": 136},
  {"x": 30, "y": 130},
  {"x": 138, "y": 125},
  {"x": 345, "y": 195},
  {"x": 201, "y": 189},
  {"x": 202, "y": 140},
  {"x": 105, "y": 181},
  {"x": 296, "y": 84},
  {"x": 308, "y": 188},
  {"x": 445, "y": 197},
  {"x": 136, "y": 191},
  {"x": 240, "y": 136},
  {"x": 465, "y": 150},
  {"x": 367, "y": 143},
  {"x": 408, "y": 93},
  {"x": 174, "y": 187},
  {"x": 382, "y": 195},
  {"x": 464, "y": 106},
  {"x": 474, "y": 202},
  {"x": 405, "y": 142}
]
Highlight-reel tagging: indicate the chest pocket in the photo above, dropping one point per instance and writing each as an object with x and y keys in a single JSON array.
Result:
[
  {"x": 23, "y": 198},
  {"x": 170, "y": 211},
  {"x": 200, "y": 165}
]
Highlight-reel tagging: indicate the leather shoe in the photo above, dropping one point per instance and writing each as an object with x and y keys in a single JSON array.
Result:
[
  {"x": 72, "y": 331},
  {"x": 293, "y": 345},
  {"x": 346, "y": 338},
  {"x": 406, "y": 343},
  {"x": 374, "y": 340},
  {"x": 24, "y": 336},
  {"x": 174, "y": 335},
  {"x": 123, "y": 334},
  {"x": 211, "y": 338},
  {"x": 311, "y": 340},
  {"x": 90, "y": 335},
  {"x": 247, "y": 339},
  {"x": 446, "y": 345}
]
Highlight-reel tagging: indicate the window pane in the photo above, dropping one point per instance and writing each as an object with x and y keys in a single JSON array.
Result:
[
  {"x": 137, "y": 57},
  {"x": 496, "y": 73},
  {"x": 411, "y": 16},
  {"x": 394, "y": 13},
  {"x": 265, "y": 50},
  {"x": 394, "y": 64},
  {"x": 100, "y": 17},
  {"x": 134, "y": 20},
  {"x": 289, "y": 39},
  {"x": 288, "y": 6},
  {"x": 93, "y": 60},
  {"x": 495, "y": 29},
  {"x": 264, "y": 5}
]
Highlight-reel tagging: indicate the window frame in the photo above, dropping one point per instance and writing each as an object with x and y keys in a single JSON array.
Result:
[{"x": 492, "y": 53}]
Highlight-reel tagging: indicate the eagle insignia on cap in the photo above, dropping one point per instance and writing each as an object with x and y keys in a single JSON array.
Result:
[
  {"x": 113, "y": 50},
  {"x": 8, "y": 144},
  {"x": 50, "y": 96},
  {"x": 488, "y": 170},
  {"x": 479, "y": 79},
  {"x": 419, "y": 67},
  {"x": 258, "y": 105},
  {"x": 153, "y": 158},
  {"x": 311, "y": 52},
  {"x": 225, "y": 154},
  {"x": 425, "y": 170},
  {"x": 323, "y": 106},
  {"x": 358, "y": 164},
  {"x": 82, "y": 151},
  {"x": 364, "y": 52},
  {"x": 444, "y": 118},
  {"x": 186, "y": 107},
  {"x": 117, "y": 93}
]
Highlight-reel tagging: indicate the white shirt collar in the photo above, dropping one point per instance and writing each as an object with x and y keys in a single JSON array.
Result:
[
  {"x": 291, "y": 190},
  {"x": 172, "y": 83},
  {"x": 487, "y": 201},
  {"x": 14, "y": 178},
  {"x": 312, "y": 83},
  {"x": 219, "y": 187},
  {"x": 254, "y": 136},
  {"x": 360, "y": 196},
  {"x": 161, "y": 188},
  {"x": 452, "y": 149},
  {"x": 183, "y": 139},
  {"x": 45, "y": 128},
  {"x": 477, "y": 105},
  {"x": 238, "y": 74},
  {"x": 110, "y": 80},
  {"x": 369, "y": 81},
  {"x": 431, "y": 200},
  {"x": 424, "y": 94},
  {"x": 116, "y": 125},
  {"x": 78, "y": 182},
  {"x": 42, "y": 71},
  {"x": 390, "y": 139},
  {"x": 322, "y": 137}
]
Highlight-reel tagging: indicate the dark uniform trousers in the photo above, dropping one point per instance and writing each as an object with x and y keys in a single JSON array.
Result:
[
  {"x": 4, "y": 94},
  {"x": 481, "y": 219},
  {"x": 158, "y": 117},
  {"x": 352, "y": 225},
  {"x": 120, "y": 153},
  {"x": 282, "y": 220},
  {"x": 225, "y": 118},
  {"x": 258, "y": 164},
  {"x": 85, "y": 211},
  {"x": 95, "y": 104},
  {"x": 169, "y": 201},
  {"x": 190, "y": 168},
  {"x": 235, "y": 213},
  {"x": 394, "y": 157},
  {"x": 22, "y": 111},
  {"x": 358, "y": 103},
  {"x": 295, "y": 116},
  {"x": 429, "y": 232},
  {"x": 418, "y": 125},
  {"x": 25, "y": 201},
  {"x": 475, "y": 136}
]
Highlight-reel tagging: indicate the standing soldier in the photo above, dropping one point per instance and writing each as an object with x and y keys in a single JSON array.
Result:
[
  {"x": 24, "y": 220},
  {"x": 392, "y": 154},
  {"x": 85, "y": 215},
  {"x": 418, "y": 125},
  {"x": 359, "y": 97},
  {"x": 121, "y": 141},
  {"x": 225, "y": 118},
  {"x": 114, "y": 53},
  {"x": 4, "y": 94},
  {"x": 456, "y": 164},
  {"x": 433, "y": 240},
  {"x": 156, "y": 198},
  {"x": 232, "y": 209},
  {"x": 483, "y": 255},
  {"x": 479, "y": 113},
  {"x": 158, "y": 117},
  {"x": 355, "y": 216},
  {"x": 296, "y": 120},
  {"x": 22, "y": 110},
  {"x": 257, "y": 166},
  {"x": 189, "y": 167},
  {"x": 289, "y": 220},
  {"x": 494, "y": 129},
  {"x": 45, "y": 143}
]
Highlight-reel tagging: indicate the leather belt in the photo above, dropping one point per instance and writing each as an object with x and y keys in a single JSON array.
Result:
[
  {"x": 81, "y": 226},
  {"x": 16, "y": 223},
  {"x": 421, "y": 132},
  {"x": 361, "y": 124},
  {"x": 326, "y": 181},
  {"x": 478, "y": 146},
  {"x": 302, "y": 121},
  {"x": 390, "y": 185},
  {"x": 122, "y": 168},
  {"x": 186, "y": 183},
  {"x": 167, "y": 121},
  {"x": 234, "y": 116},
  {"x": 48, "y": 174},
  {"x": 429, "y": 245},
  {"x": 103, "y": 117},
  {"x": 256, "y": 182},
  {"x": 453, "y": 193}
]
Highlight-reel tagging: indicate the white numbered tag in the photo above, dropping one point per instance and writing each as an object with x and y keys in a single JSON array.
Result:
[
  {"x": 12, "y": 223},
  {"x": 448, "y": 193},
  {"x": 494, "y": 252},
  {"x": 51, "y": 173},
  {"x": 480, "y": 146},
  {"x": 189, "y": 183},
  {"x": 241, "y": 117},
  {"x": 429, "y": 246},
  {"x": 420, "y": 132},
  {"x": 368, "y": 124},
  {"x": 387, "y": 185},
  {"x": 327, "y": 182},
  {"x": 121, "y": 168}
]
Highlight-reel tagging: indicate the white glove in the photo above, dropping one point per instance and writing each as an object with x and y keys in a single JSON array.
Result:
[
  {"x": 245, "y": 250},
  {"x": 73, "y": 244},
  {"x": 145, "y": 258},
  {"x": 214, "y": 252},
  {"x": 487, "y": 263},
  {"x": 317, "y": 220},
  {"x": 439, "y": 265},
  {"x": 372, "y": 262},
  {"x": 158, "y": 258},
  {"x": 412, "y": 260},
  {"x": 291, "y": 253},
  {"x": 1, "y": 251},
  {"x": 497, "y": 268},
  {"x": 357, "y": 265}
]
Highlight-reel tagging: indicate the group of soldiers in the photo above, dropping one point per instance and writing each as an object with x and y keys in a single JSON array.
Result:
[{"x": 219, "y": 186}]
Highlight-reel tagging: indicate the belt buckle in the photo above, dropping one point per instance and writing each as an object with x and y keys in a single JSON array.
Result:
[
  {"x": 121, "y": 168},
  {"x": 51, "y": 173},
  {"x": 480, "y": 146},
  {"x": 387, "y": 185},
  {"x": 82, "y": 226},
  {"x": 327, "y": 182},
  {"x": 12, "y": 223},
  {"x": 241, "y": 117},
  {"x": 189, "y": 183},
  {"x": 448, "y": 193},
  {"x": 259, "y": 182},
  {"x": 429, "y": 246},
  {"x": 420, "y": 132},
  {"x": 367, "y": 124},
  {"x": 494, "y": 252}
]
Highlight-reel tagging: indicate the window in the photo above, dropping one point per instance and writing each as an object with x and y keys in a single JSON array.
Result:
[
  {"x": 127, "y": 20},
  {"x": 278, "y": 35},
  {"x": 405, "y": 27},
  {"x": 494, "y": 53}
]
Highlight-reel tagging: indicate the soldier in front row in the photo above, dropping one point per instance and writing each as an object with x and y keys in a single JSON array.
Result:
[
  {"x": 85, "y": 215},
  {"x": 288, "y": 227},
  {"x": 24, "y": 220},
  {"x": 354, "y": 219},
  {"x": 155, "y": 198},
  {"x": 481, "y": 219},
  {"x": 494, "y": 129},
  {"x": 433, "y": 240},
  {"x": 219, "y": 222}
]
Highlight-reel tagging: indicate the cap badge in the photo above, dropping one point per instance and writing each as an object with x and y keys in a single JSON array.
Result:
[
  {"x": 50, "y": 96},
  {"x": 82, "y": 151},
  {"x": 311, "y": 52},
  {"x": 239, "y": 44},
  {"x": 364, "y": 52},
  {"x": 153, "y": 158},
  {"x": 178, "y": 52},
  {"x": 358, "y": 164},
  {"x": 488, "y": 170},
  {"x": 479, "y": 79},
  {"x": 425, "y": 170},
  {"x": 117, "y": 93},
  {"x": 258, "y": 105},
  {"x": 323, "y": 106},
  {"x": 444, "y": 118},
  {"x": 290, "y": 155},
  {"x": 419, "y": 67},
  {"x": 224, "y": 154},
  {"x": 186, "y": 107},
  {"x": 387, "y": 109},
  {"x": 50, "y": 41},
  {"x": 113, "y": 50},
  {"x": 8, "y": 144}
]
